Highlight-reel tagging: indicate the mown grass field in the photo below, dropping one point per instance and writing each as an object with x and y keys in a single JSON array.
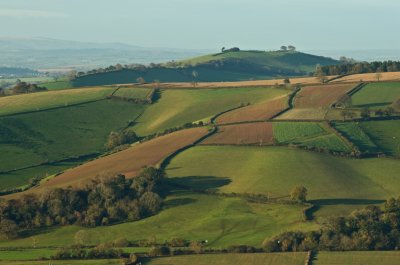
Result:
[
  {"x": 260, "y": 111},
  {"x": 353, "y": 132},
  {"x": 259, "y": 133},
  {"x": 177, "y": 107},
  {"x": 369, "y": 77},
  {"x": 64, "y": 262},
  {"x": 26, "y": 254},
  {"x": 132, "y": 92},
  {"x": 222, "y": 221},
  {"x": 274, "y": 171},
  {"x": 385, "y": 134},
  {"x": 52, "y": 135},
  {"x": 51, "y": 99},
  {"x": 296, "y": 258},
  {"x": 377, "y": 95},
  {"x": 358, "y": 258},
  {"x": 309, "y": 134}
]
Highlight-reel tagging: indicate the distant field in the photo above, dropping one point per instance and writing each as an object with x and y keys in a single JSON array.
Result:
[
  {"x": 58, "y": 85},
  {"x": 267, "y": 82},
  {"x": 52, "y": 135},
  {"x": 26, "y": 254},
  {"x": 177, "y": 107},
  {"x": 321, "y": 96},
  {"x": 369, "y": 77},
  {"x": 357, "y": 136},
  {"x": 385, "y": 134},
  {"x": 276, "y": 170},
  {"x": 295, "y": 258},
  {"x": 308, "y": 134},
  {"x": 260, "y": 111},
  {"x": 222, "y": 221},
  {"x": 133, "y": 92},
  {"x": 258, "y": 133},
  {"x": 129, "y": 161},
  {"x": 308, "y": 114},
  {"x": 358, "y": 258},
  {"x": 376, "y": 95},
  {"x": 28, "y": 79},
  {"x": 50, "y": 99},
  {"x": 285, "y": 132},
  {"x": 64, "y": 262}
]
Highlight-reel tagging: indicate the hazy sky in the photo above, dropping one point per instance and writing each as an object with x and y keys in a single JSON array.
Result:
[{"x": 257, "y": 24}]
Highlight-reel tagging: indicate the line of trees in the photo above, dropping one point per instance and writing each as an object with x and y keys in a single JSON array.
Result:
[
  {"x": 358, "y": 68},
  {"x": 102, "y": 201},
  {"x": 372, "y": 228}
]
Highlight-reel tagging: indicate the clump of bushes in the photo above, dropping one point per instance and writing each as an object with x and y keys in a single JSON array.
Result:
[{"x": 116, "y": 139}]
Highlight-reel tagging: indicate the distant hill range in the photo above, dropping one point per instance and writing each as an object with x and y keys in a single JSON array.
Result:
[
  {"x": 11, "y": 72},
  {"x": 231, "y": 65},
  {"x": 51, "y": 54}
]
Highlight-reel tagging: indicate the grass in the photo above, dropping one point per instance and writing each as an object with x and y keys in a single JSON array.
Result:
[
  {"x": 222, "y": 221},
  {"x": 34, "y": 138},
  {"x": 377, "y": 95},
  {"x": 58, "y": 85},
  {"x": 286, "y": 132},
  {"x": 295, "y": 258},
  {"x": 129, "y": 161},
  {"x": 177, "y": 107},
  {"x": 385, "y": 134},
  {"x": 327, "y": 142},
  {"x": 274, "y": 171},
  {"x": 34, "y": 80},
  {"x": 26, "y": 254},
  {"x": 51, "y": 99},
  {"x": 358, "y": 258},
  {"x": 65, "y": 262},
  {"x": 357, "y": 136},
  {"x": 132, "y": 92}
]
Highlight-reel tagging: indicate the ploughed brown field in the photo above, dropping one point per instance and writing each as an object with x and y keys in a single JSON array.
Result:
[
  {"x": 258, "y": 133},
  {"x": 261, "y": 111},
  {"x": 369, "y": 77},
  {"x": 321, "y": 96},
  {"x": 127, "y": 162}
]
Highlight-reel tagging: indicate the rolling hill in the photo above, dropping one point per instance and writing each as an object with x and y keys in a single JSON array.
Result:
[{"x": 220, "y": 67}]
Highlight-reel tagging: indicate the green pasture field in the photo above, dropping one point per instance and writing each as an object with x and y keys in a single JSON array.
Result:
[
  {"x": 51, "y": 99},
  {"x": 133, "y": 92},
  {"x": 179, "y": 106},
  {"x": 295, "y": 258},
  {"x": 221, "y": 221},
  {"x": 274, "y": 171},
  {"x": 353, "y": 132},
  {"x": 385, "y": 134},
  {"x": 53, "y": 135},
  {"x": 309, "y": 134},
  {"x": 377, "y": 95},
  {"x": 58, "y": 85},
  {"x": 358, "y": 258},
  {"x": 64, "y": 262}
]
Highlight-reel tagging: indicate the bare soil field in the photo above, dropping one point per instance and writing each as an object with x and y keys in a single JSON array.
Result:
[
  {"x": 261, "y": 111},
  {"x": 129, "y": 161},
  {"x": 259, "y": 133},
  {"x": 321, "y": 96}
]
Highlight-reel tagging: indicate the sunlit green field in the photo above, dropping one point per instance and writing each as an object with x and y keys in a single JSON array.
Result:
[{"x": 377, "y": 95}]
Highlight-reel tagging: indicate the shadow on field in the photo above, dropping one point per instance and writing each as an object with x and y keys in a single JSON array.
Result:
[
  {"x": 36, "y": 231},
  {"x": 199, "y": 183},
  {"x": 178, "y": 202},
  {"x": 323, "y": 202},
  {"x": 371, "y": 105}
]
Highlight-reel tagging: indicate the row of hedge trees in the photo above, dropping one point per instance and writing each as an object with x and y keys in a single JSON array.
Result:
[
  {"x": 372, "y": 228},
  {"x": 359, "y": 68},
  {"x": 103, "y": 201}
]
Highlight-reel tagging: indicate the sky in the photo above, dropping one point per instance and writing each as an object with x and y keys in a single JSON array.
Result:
[{"x": 209, "y": 24}]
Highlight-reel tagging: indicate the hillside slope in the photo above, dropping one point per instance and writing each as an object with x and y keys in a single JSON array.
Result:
[{"x": 220, "y": 67}]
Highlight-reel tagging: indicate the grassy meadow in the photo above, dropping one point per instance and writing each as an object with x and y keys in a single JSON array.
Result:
[
  {"x": 177, "y": 107},
  {"x": 222, "y": 221},
  {"x": 51, "y": 99},
  {"x": 358, "y": 258},
  {"x": 40, "y": 137},
  {"x": 233, "y": 259},
  {"x": 377, "y": 95}
]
